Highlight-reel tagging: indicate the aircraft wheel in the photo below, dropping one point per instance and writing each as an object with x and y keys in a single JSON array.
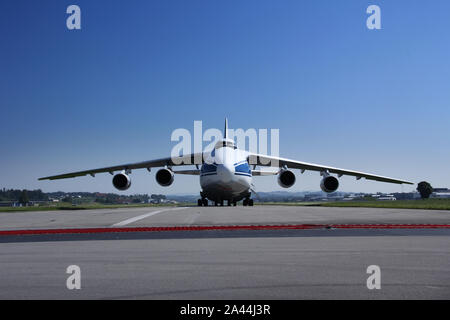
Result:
[
  {"x": 205, "y": 202},
  {"x": 250, "y": 202},
  {"x": 245, "y": 202},
  {"x": 234, "y": 203},
  {"x": 199, "y": 202}
]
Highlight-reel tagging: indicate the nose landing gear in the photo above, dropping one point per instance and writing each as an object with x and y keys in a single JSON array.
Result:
[{"x": 248, "y": 202}]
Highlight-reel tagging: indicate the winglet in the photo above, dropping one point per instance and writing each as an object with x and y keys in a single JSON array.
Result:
[{"x": 225, "y": 131}]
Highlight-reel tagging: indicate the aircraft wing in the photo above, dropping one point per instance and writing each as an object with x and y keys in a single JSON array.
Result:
[
  {"x": 194, "y": 172},
  {"x": 270, "y": 161},
  {"x": 264, "y": 173},
  {"x": 178, "y": 161}
]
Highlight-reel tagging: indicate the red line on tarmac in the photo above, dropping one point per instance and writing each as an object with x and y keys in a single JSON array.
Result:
[{"x": 236, "y": 227}]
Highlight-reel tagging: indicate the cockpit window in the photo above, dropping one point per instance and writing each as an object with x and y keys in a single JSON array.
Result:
[{"x": 225, "y": 143}]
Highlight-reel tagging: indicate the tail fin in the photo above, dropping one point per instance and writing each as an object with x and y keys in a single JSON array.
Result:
[{"x": 225, "y": 131}]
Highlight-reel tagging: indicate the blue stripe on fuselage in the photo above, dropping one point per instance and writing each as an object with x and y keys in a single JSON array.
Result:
[
  {"x": 243, "y": 174},
  {"x": 243, "y": 168}
]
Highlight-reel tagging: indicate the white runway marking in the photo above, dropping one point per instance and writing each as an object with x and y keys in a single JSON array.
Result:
[{"x": 143, "y": 216}]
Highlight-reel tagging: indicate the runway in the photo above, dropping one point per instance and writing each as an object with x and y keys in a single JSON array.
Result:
[
  {"x": 226, "y": 264},
  {"x": 207, "y": 216}
]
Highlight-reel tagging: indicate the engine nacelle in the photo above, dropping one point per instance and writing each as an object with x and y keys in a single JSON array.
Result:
[
  {"x": 121, "y": 181},
  {"x": 164, "y": 177},
  {"x": 286, "y": 178},
  {"x": 329, "y": 184}
]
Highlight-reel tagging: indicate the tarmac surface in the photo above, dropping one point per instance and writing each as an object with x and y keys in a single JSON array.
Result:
[
  {"x": 226, "y": 264},
  {"x": 204, "y": 216}
]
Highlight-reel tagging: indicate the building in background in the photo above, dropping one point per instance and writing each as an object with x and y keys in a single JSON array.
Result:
[{"x": 441, "y": 193}]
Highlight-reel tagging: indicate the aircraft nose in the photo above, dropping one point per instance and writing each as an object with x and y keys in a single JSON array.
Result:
[{"x": 225, "y": 172}]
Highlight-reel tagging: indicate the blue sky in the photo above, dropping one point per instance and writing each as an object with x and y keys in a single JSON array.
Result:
[{"x": 113, "y": 92}]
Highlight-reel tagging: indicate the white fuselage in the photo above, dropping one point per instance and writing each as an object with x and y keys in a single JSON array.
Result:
[{"x": 226, "y": 175}]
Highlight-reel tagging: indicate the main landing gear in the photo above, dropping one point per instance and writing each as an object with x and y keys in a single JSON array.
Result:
[
  {"x": 221, "y": 203},
  {"x": 204, "y": 202},
  {"x": 229, "y": 203}
]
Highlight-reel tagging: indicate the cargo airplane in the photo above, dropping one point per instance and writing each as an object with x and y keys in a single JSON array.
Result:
[{"x": 226, "y": 172}]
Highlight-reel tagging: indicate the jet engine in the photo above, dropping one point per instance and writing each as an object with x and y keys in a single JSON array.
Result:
[
  {"x": 164, "y": 177},
  {"x": 286, "y": 178},
  {"x": 121, "y": 181},
  {"x": 329, "y": 184}
]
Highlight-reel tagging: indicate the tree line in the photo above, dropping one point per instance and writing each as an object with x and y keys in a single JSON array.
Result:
[
  {"x": 25, "y": 196},
  {"x": 22, "y": 196}
]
